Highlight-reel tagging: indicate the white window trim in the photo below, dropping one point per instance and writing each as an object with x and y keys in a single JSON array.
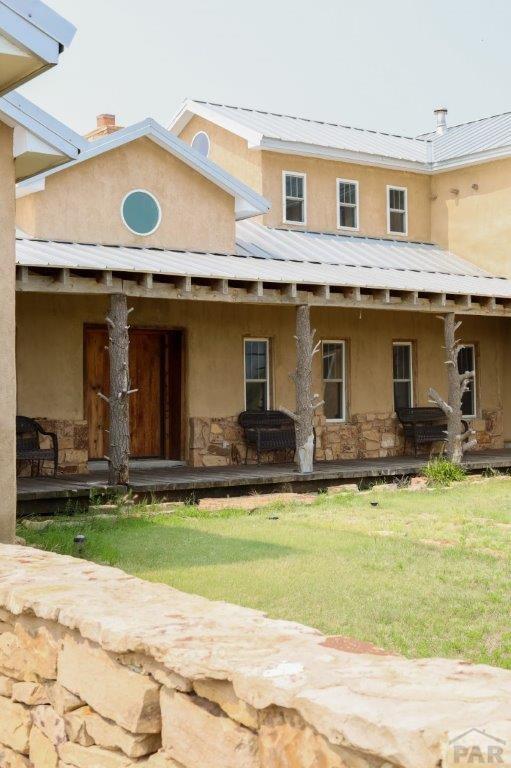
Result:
[
  {"x": 284, "y": 198},
  {"x": 473, "y": 348},
  {"x": 408, "y": 344},
  {"x": 342, "y": 342},
  {"x": 208, "y": 139},
  {"x": 133, "y": 231},
  {"x": 399, "y": 189},
  {"x": 268, "y": 371},
  {"x": 356, "y": 206}
]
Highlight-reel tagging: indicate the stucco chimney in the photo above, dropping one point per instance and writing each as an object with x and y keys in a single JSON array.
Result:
[
  {"x": 441, "y": 119},
  {"x": 105, "y": 125}
]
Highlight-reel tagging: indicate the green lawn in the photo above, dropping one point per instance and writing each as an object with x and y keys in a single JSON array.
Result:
[{"x": 424, "y": 573}]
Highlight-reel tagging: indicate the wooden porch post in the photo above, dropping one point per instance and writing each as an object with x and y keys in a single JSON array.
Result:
[
  {"x": 120, "y": 390},
  {"x": 306, "y": 401},
  {"x": 459, "y": 440}
]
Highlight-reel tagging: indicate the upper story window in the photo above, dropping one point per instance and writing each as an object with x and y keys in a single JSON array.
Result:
[
  {"x": 347, "y": 204},
  {"x": 257, "y": 375},
  {"x": 334, "y": 380},
  {"x": 201, "y": 143},
  {"x": 294, "y": 197},
  {"x": 467, "y": 362},
  {"x": 402, "y": 374},
  {"x": 397, "y": 210},
  {"x": 141, "y": 212}
]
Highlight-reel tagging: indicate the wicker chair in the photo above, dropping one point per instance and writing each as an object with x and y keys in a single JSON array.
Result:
[{"x": 28, "y": 447}]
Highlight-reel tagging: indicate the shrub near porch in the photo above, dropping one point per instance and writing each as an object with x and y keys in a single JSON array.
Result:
[{"x": 423, "y": 574}]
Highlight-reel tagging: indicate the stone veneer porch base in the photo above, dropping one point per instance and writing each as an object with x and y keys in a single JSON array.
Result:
[
  {"x": 219, "y": 441},
  {"x": 73, "y": 437}
]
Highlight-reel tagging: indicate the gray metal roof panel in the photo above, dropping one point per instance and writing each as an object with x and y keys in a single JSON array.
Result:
[{"x": 280, "y": 256}]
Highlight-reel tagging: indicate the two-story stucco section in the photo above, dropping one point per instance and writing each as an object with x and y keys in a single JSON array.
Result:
[
  {"x": 7, "y": 320},
  {"x": 263, "y": 171}
]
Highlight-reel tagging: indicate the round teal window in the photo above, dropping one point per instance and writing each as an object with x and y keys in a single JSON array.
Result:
[{"x": 141, "y": 212}]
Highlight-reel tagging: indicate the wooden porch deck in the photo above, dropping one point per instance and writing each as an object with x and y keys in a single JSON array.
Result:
[{"x": 49, "y": 494}]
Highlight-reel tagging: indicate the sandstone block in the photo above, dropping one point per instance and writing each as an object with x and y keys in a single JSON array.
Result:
[
  {"x": 30, "y": 693},
  {"x": 124, "y": 696},
  {"x": 145, "y": 665},
  {"x": 91, "y": 757},
  {"x": 15, "y": 724},
  {"x": 288, "y": 746},
  {"x": 29, "y": 652},
  {"x": 196, "y": 732},
  {"x": 159, "y": 760},
  {"x": 61, "y": 699},
  {"x": 75, "y": 728},
  {"x": 50, "y": 723},
  {"x": 11, "y": 759},
  {"x": 6, "y": 684},
  {"x": 87, "y": 727},
  {"x": 221, "y": 692},
  {"x": 42, "y": 752}
]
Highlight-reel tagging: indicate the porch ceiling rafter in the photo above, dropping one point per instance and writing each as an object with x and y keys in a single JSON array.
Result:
[{"x": 65, "y": 280}]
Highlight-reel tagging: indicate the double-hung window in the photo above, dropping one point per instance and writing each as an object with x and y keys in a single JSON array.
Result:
[
  {"x": 334, "y": 380},
  {"x": 294, "y": 194},
  {"x": 347, "y": 204},
  {"x": 402, "y": 352},
  {"x": 397, "y": 210},
  {"x": 257, "y": 374},
  {"x": 467, "y": 362}
]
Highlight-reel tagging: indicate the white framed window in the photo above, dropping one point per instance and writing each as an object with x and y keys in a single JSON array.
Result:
[
  {"x": 334, "y": 380},
  {"x": 257, "y": 374},
  {"x": 402, "y": 362},
  {"x": 141, "y": 212},
  {"x": 397, "y": 210},
  {"x": 467, "y": 362},
  {"x": 201, "y": 144},
  {"x": 294, "y": 197},
  {"x": 347, "y": 204}
]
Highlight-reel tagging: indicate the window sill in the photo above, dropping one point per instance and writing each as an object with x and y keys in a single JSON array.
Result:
[
  {"x": 295, "y": 223},
  {"x": 348, "y": 229}
]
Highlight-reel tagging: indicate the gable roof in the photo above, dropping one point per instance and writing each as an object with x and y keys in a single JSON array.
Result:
[
  {"x": 247, "y": 202},
  {"x": 466, "y": 144},
  {"x": 283, "y": 256}
]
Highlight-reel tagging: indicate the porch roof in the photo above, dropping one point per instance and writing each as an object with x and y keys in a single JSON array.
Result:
[{"x": 272, "y": 261}]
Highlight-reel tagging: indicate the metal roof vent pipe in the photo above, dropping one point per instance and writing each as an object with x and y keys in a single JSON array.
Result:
[{"x": 441, "y": 120}]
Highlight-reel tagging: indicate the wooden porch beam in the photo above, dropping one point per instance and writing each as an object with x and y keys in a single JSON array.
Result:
[{"x": 250, "y": 291}]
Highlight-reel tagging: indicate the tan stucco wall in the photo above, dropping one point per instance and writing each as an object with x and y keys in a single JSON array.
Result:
[
  {"x": 263, "y": 171},
  {"x": 83, "y": 202},
  {"x": 50, "y": 352},
  {"x": 476, "y": 223},
  {"x": 7, "y": 362},
  {"x": 229, "y": 151},
  {"x": 322, "y": 195}
]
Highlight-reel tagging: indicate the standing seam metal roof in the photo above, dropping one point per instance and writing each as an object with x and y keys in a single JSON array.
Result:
[{"x": 280, "y": 256}]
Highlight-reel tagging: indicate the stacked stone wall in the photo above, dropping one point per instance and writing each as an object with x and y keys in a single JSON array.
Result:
[{"x": 102, "y": 670}]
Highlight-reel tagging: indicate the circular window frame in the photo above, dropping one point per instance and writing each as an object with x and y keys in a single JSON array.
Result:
[
  {"x": 201, "y": 133},
  {"x": 158, "y": 206}
]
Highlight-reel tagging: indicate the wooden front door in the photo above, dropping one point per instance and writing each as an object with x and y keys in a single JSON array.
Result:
[{"x": 155, "y": 409}]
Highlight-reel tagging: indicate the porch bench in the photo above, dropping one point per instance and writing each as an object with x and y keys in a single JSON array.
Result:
[
  {"x": 267, "y": 431},
  {"x": 423, "y": 425},
  {"x": 28, "y": 446}
]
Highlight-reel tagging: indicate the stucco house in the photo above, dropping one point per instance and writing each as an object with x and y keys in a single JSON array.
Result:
[
  {"x": 217, "y": 229},
  {"x": 32, "y": 37}
]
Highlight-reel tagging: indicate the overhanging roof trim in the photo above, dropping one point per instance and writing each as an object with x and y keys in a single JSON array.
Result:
[
  {"x": 44, "y": 18},
  {"x": 251, "y": 203},
  {"x": 268, "y": 260},
  {"x": 478, "y": 141}
]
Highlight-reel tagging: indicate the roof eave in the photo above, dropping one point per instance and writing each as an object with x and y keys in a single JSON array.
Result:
[{"x": 192, "y": 108}]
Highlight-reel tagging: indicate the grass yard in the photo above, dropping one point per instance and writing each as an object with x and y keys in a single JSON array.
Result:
[{"x": 423, "y": 573}]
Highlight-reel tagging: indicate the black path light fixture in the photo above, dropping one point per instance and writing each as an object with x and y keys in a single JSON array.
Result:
[{"x": 80, "y": 541}]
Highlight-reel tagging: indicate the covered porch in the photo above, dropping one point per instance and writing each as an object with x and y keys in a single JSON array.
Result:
[{"x": 193, "y": 316}]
